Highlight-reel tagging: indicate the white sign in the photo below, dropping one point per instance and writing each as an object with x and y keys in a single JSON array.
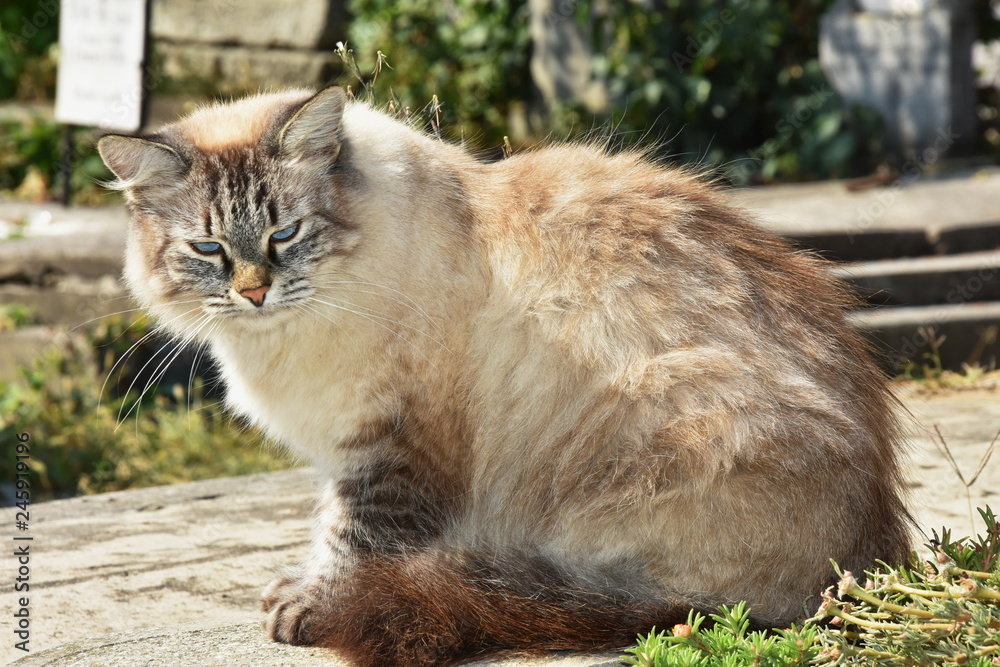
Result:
[{"x": 102, "y": 46}]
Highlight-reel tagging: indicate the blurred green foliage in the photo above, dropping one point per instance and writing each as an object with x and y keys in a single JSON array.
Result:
[
  {"x": 16, "y": 315},
  {"x": 732, "y": 83},
  {"x": 88, "y": 438},
  {"x": 31, "y": 144},
  {"x": 30, "y": 155},
  {"x": 472, "y": 54},
  {"x": 735, "y": 83},
  {"x": 28, "y": 33}
]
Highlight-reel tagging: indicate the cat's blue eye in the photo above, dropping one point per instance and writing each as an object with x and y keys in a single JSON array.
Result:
[
  {"x": 285, "y": 234},
  {"x": 207, "y": 248}
]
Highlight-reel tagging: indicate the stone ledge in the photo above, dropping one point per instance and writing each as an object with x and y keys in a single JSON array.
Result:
[
  {"x": 72, "y": 301},
  {"x": 87, "y": 242},
  {"x": 239, "y": 641},
  {"x": 238, "y": 69},
  {"x": 301, "y": 24},
  {"x": 21, "y": 347},
  {"x": 970, "y": 331},
  {"x": 926, "y": 281},
  {"x": 966, "y": 199}
]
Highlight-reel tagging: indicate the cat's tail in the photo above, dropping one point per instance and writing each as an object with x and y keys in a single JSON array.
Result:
[{"x": 435, "y": 609}]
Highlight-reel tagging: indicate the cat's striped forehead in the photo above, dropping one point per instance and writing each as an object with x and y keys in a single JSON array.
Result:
[
  {"x": 245, "y": 122},
  {"x": 240, "y": 193}
]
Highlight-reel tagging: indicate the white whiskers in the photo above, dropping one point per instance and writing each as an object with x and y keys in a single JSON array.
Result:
[
  {"x": 132, "y": 348},
  {"x": 169, "y": 356}
]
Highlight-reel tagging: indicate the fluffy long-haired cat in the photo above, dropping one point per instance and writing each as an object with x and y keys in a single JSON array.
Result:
[{"x": 558, "y": 398}]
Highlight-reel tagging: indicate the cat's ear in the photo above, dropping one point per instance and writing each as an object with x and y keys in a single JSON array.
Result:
[
  {"x": 139, "y": 162},
  {"x": 314, "y": 130}
]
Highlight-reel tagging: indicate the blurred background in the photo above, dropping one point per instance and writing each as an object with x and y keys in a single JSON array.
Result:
[
  {"x": 873, "y": 125},
  {"x": 759, "y": 91}
]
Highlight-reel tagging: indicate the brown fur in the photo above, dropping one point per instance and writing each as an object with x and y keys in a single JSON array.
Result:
[
  {"x": 429, "y": 610},
  {"x": 559, "y": 398}
]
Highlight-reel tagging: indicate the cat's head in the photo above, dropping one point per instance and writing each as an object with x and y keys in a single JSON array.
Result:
[{"x": 237, "y": 211}]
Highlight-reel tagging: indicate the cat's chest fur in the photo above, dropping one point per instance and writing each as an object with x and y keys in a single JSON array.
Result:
[{"x": 302, "y": 386}]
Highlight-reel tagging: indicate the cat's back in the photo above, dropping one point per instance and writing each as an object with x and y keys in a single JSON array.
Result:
[{"x": 574, "y": 228}]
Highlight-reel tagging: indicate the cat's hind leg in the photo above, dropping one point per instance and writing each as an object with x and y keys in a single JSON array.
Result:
[{"x": 437, "y": 607}]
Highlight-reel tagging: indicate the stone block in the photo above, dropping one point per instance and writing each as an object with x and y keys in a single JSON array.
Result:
[
  {"x": 238, "y": 69},
  {"x": 914, "y": 68},
  {"x": 298, "y": 24},
  {"x": 926, "y": 281},
  {"x": 969, "y": 332}
]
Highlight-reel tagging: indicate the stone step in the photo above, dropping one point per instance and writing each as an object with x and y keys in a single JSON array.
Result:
[
  {"x": 21, "y": 347},
  {"x": 925, "y": 281},
  {"x": 909, "y": 218},
  {"x": 65, "y": 310},
  {"x": 44, "y": 240},
  {"x": 967, "y": 333},
  {"x": 846, "y": 246},
  {"x": 71, "y": 301}
]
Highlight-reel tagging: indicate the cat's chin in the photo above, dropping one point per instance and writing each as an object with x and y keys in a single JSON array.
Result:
[{"x": 262, "y": 318}]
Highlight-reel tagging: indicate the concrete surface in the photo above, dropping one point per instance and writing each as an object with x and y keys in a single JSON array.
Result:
[
  {"x": 196, "y": 554},
  {"x": 968, "y": 421},
  {"x": 909, "y": 218},
  {"x": 104, "y": 568}
]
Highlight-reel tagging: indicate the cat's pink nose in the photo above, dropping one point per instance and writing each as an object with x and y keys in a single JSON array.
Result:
[{"x": 256, "y": 295}]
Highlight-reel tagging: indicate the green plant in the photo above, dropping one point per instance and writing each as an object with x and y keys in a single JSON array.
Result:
[
  {"x": 471, "y": 54},
  {"x": 727, "y": 643},
  {"x": 930, "y": 368},
  {"x": 734, "y": 85},
  {"x": 87, "y": 438},
  {"x": 942, "y": 611},
  {"x": 945, "y": 611}
]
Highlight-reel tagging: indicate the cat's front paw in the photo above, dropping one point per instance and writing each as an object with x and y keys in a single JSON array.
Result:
[{"x": 296, "y": 608}]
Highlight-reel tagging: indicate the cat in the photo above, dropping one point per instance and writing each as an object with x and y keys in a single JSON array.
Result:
[{"x": 558, "y": 398}]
